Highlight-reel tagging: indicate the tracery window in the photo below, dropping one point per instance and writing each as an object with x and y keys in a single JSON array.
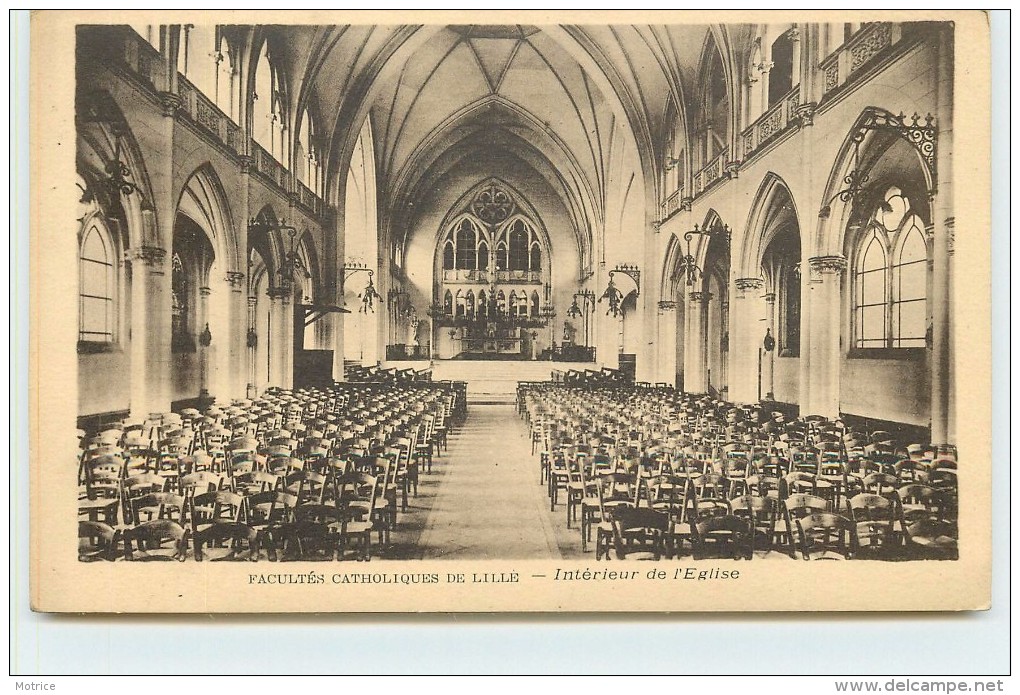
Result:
[
  {"x": 891, "y": 278},
  {"x": 268, "y": 115},
  {"x": 207, "y": 62},
  {"x": 96, "y": 285}
]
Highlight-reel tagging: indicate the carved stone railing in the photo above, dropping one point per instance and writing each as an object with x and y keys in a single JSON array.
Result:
[
  {"x": 781, "y": 116},
  {"x": 125, "y": 47},
  {"x": 307, "y": 199},
  {"x": 671, "y": 204},
  {"x": 710, "y": 173},
  {"x": 841, "y": 66},
  {"x": 267, "y": 165}
]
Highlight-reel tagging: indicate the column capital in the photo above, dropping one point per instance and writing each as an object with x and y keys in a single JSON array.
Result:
[
  {"x": 253, "y": 300},
  {"x": 235, "y": 279},
  {"x": 149, "y": 255},
  {"x": 246, "y": 161},
  {"x": 745, "y": 284},
  {"x": 204, "y": 291},
  {"x": 667, "y": 305},
  {"x": 700, "y": 296},
  {"x": 806, "y": 113},
  {"x": 950, "y": 223},
  {"x": 828, "y": 264},
  {"x": 770, "y": 297},
  {"x": 281, "y": 292},
  {"x": 170, "y": 103}
]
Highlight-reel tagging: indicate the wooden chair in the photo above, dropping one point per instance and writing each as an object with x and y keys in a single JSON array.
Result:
[
  {"x": 639, "y": 530},
  {"x": 97, "y": 542},
  {"x": 728, "y": 536},
  {"x": 160, "y": 540},
  {"x": 227, "y": 541},
  {"x": 826, "y": 536}
]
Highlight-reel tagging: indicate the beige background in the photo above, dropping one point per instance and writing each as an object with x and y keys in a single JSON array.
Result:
[{"x": 60, "y": 583}]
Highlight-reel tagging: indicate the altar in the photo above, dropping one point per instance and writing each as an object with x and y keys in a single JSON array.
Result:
[{"x": 490, "y": 340}]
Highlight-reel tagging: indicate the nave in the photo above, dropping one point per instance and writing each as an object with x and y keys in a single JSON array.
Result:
[{"x": 596, "y": 465}]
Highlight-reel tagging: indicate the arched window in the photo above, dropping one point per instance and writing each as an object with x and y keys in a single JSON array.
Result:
[
  {"x": 483, "y": 305},
  {"x": 534, "y": 304},
  {"x": 96, "y": 286},
  {"x": 466, "y": 246},
  {"x": 469, "y": 304},
  {"x": 448, "y": 256},
  {"x": 180, "y": 304},
  {"x": 483, "y": 256},
  {"x": 871, "y": 293},
  {"x": 891, "y": 278},
  {"x": 207, "y": 62},
  {"x": 910, "y": 283},
  {"x": 501, "y": 303},
  {"x": 536, "y": 256},
  {"x": 715, "y": 114},
  {"x": 306, "y": 159},
  {"x": 460, "y": 302},
  {"x": 268, "y": 121},
  {"x": 501, "y": 255},
  {"x": 518, "y": 243},
  {"x": 781, "y": 74},
  {"x": 448, "y": 303},
  {"x": 513, "y": 302}
]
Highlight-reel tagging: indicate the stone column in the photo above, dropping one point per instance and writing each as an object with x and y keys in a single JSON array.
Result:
[
  {"x": 695, "y": 358},
  {"x": 205, "y": 371},
  {"x": 824, "y": 349},
  {"x": 279, "y": 340},
  {"x": 943, "y": 415},
  {"x": 251, "y": 334},
  {"x": 745, "y": 340},
  {"x": 768, "y": 358},
  {"x": 150, "y": 358},
  {"x": 234, "y": 342},
  {"x": 665, "y": 344}
]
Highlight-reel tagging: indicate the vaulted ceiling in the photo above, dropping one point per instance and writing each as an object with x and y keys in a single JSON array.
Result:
[{"x": 561, "y": 97}]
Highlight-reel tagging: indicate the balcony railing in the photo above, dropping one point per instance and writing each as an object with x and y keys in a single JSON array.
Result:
[
  {"x": 267, "y": 165},
  {"x": 529, "y": 276},
  {"x": 461, "y": 275},
  {"x": 125, "y": 47},
  {"x": 780, "y": 117},
  {"x": 710, "y": 173},
  {"x": 840, "y": 67},
  {"x": 671, "y": 204}
]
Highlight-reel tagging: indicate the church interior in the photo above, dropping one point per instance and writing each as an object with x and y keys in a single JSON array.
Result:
[{"x": 510, "y": 291}]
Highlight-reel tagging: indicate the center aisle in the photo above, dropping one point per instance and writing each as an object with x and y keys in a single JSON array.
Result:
[{"x": 489, "y": 504}]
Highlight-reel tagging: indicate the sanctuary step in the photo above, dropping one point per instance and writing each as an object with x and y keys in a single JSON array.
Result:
[{"x": 492, "y": 382}]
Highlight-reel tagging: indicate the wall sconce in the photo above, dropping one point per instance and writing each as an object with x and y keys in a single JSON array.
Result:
[
  {"x": 613, "y": 296},
  {"x": 368, "y": 296},
  {"x": 687, "y": 263}
]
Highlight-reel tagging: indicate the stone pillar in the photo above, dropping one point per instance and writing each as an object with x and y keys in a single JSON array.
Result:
[
  {"x": 768, "y": 363},
  {"x": 150, "y": 353},
  {"x": 251, "y": 335},
  {"x": 665, "y": 344},
  {"x": 695, "y": 357},
  {"x": 745, "y": 340},
  {"x": 234, "y": 342},
  {"x": 824, "y": 349},
  {"x": 205, "y": 371},
  {"x": 279, "y": 340},
  {"x": 796, "y": 48},
  {"x": 943, "y": 415}
]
